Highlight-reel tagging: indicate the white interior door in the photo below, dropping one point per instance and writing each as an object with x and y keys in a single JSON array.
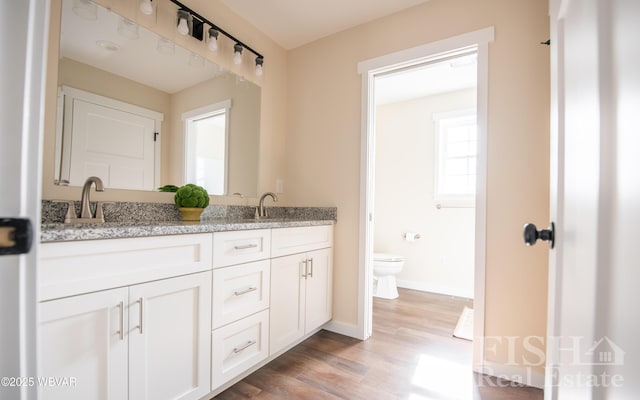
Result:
[
  {"x": 115, "y": 145},
  {"x": 595, "y": 200},
  {"x": 22, "y": 38}
]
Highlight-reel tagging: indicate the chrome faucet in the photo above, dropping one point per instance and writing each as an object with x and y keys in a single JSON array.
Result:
[
  {"x": 86, "y": 203},
  {"x": 261, "y": 211},
  {"x": 86, "y": 216}
]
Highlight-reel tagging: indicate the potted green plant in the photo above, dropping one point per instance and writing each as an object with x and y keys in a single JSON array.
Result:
[{"x": 191, "y": 201}]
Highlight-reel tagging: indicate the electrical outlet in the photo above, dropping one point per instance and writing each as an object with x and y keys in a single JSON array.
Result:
[{"x": 279, "y": 186}]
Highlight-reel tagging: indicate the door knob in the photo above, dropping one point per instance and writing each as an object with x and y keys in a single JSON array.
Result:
[
  {"x": 16, "y": 236},
  {"x": 531, "y": 234}
]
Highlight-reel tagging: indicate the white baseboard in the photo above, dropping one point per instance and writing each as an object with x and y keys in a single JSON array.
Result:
[
  {"x": 514, "y": 373},
  {"x": 427, "y": 287},
  {"x": 343, "y": 329}
]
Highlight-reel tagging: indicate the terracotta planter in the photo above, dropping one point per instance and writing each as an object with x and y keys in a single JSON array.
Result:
[{"x": 190, "y": 213}]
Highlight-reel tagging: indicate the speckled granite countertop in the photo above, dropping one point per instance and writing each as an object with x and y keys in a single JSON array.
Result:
[
  {"x": 58, "y": 232},
  {"x": 127, "y": 220}
]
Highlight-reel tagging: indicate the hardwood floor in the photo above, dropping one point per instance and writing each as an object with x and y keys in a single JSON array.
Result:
[{"x": 411, "y": 355}]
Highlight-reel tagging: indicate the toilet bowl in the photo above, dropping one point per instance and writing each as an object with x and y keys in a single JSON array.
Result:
[{"x": 385, "y": 268}]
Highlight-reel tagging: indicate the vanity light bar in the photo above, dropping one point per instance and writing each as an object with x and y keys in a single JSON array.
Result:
[{"x": 198, "y": 34}]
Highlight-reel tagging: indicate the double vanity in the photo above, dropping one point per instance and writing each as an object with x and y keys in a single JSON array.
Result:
[
  {"x": 146, "y": 306},
  {"x": 173, "y": 310}
]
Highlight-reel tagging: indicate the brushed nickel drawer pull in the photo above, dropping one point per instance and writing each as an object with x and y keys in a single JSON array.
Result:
[
  {"x": 245, "y": 291},
  {"x": 304, "y": 275},
  {"x": 311, "y": 268},
  {"x": 141, "y": 318},
  {"x": 121, "y": 331},
  {"x": 246, "y": 246},
  {"x": 250, "y": 343}
]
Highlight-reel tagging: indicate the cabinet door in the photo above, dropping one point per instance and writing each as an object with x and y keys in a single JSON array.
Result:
[
  {"x": 169, "y": 347},
  {"x": 319, "y": 304},
  {"x": 83, "y": 338},
  {"x": 287, "y": 301}
]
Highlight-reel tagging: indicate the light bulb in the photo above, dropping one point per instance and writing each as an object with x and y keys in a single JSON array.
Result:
[
  {"x": 146, "y": 7},
  {"x": 184, "y": 22},
  {"x": 183, "y": 27},
  {"x": 212, "y": 44},
  {"x": 259, "y": 62},
  {"x": 237, "y": 56}
]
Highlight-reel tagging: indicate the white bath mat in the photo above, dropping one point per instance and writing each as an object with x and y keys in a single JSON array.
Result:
[{"x": 464, "y": 328}]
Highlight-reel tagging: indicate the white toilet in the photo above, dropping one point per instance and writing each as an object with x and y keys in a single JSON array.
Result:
[{"x": 385, "y": 268}]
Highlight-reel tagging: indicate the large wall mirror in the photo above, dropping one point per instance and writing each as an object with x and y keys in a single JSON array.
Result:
[{"x": 127, "y": 99}]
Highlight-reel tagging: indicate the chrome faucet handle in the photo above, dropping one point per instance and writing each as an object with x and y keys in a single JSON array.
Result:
[
  {"x": 71, "y": 210},
  {"x": 100, "y": 210}
]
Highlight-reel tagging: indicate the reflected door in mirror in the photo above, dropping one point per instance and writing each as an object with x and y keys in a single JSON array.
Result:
[{"x": 112, "y": 140}]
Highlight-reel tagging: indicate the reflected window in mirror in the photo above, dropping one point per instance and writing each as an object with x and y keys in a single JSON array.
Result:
[{"x": 206, "y": 146}]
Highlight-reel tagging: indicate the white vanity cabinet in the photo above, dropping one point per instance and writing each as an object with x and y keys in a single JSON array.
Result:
[
  {"x": 178, "y": 316},
  {"x": 240, "y": 312},
  {"x": 147, "y": 338},
  {"x": 301, "y": 283}
]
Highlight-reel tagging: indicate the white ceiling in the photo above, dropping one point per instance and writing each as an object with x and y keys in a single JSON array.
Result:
[
  {"x": 426, "y": 80},
  {"x": 292, "y": 23}
]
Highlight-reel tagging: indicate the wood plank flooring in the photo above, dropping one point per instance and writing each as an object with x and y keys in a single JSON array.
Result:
[{"x": 411, "y": 355}]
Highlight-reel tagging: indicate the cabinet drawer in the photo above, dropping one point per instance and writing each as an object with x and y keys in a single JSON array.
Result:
[
  {"x": 239, "y": 247},
  {"x": 286, "y": 241},
  {"x": 239, "y": 291},
  {"x": 238, "y": 346},
  {"x": 70, "y": 268}
]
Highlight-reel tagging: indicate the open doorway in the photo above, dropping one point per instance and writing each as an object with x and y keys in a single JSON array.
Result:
[
  {"x": 425, "y": 177},
  {"x": 475, "y": 45}
]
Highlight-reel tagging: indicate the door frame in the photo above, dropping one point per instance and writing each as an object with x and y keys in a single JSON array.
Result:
[
  {"x": 368, "y": 69},
  {"x": 23, "y": 41}
]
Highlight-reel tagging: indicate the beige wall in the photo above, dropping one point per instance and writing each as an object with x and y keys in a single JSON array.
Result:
[
  {"x": 273, "y": 106},
  {"x": 442, "y": 260},
  {"x": 323, "y": 144},
  {"x": 94, "y": 80}
]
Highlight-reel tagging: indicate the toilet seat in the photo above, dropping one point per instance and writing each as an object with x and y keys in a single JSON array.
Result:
[{"x": 387, "y": 257}]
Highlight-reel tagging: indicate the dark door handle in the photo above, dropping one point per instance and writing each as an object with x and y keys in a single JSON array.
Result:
[
  {"x": 16, "y": 236},
  {"x": 531, "y": 234}
]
